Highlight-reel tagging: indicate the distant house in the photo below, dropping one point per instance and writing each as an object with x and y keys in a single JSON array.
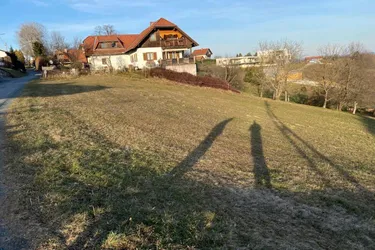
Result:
[
  {"x": 313, "y": 59},
  {"x": 3, "y": 57},
  {"x": 202, "y": 54},
  {"x": 163, "y": 42},
  {"x": 270, "y": 56},
  {"x": 264, "y": 57},
  {"x": 69, "y": 56},
  {"x": 243, "y": 61}
]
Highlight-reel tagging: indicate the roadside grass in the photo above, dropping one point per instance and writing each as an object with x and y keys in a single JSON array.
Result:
[
  {"x": 112, "y": 162},
  {"x": 13, "y": 73}
]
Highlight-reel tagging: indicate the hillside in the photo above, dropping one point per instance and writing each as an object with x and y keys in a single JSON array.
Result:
[{"x": 122, "y": 163}]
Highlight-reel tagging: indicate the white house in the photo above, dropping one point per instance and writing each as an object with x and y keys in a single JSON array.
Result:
[
  {"x": 243, "y": 61},
  {"x": 163, "y": 42},
  {"x": 3, "y": 54}
]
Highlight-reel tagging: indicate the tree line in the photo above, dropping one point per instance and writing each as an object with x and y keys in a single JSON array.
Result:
[
  {"x": 36, "y": 42},
  {"x": 342, "y": 78}
]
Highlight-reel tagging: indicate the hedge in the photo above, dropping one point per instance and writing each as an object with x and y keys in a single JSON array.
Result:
[{"x": 186, "y": 78}]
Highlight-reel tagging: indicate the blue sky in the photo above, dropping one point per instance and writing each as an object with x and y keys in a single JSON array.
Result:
[{"x": 226, "y": 26}]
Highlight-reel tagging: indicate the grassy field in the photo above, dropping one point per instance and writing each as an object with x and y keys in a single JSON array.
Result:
[{"x": 114, "y": 162}]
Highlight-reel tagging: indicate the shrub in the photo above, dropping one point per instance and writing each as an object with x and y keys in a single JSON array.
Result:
[
  {"x": 186, "y": 78},
  {"x": 233, "y": 75},
  {"x": 300, "y": 98}
]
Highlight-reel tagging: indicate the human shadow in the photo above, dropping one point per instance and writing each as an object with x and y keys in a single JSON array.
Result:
[
  {"x": 261, "y": 171},
  {"x": 126, "y": 199},
  {"x": 200, "y": 150},
  {"x": 291, "y": 136},
  {"x": 36, "y": 89}
]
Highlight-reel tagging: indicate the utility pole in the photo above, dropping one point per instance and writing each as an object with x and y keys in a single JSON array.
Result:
[{"x": 5, "y": 44}]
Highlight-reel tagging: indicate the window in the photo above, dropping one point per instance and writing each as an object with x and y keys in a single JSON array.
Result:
[
  {"x": 108, "y": 45},
  {"x": 134, "y": 58},
  {"x": 104, "y": 61},
  {"x": 153, "y": 37},
  {"x": 150, "y": 56}
]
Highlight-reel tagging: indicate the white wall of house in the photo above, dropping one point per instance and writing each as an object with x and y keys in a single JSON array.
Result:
[
  {"x": 118, "y": 62},
  {"x": 141, "y": 62},
  {"x": 2, "y": 54}
]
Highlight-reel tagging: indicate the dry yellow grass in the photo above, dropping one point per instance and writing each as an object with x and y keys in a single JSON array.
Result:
[{"x": 116, "y": 162}]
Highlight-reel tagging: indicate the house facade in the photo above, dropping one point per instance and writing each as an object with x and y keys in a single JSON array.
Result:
[
  {"x": 3, "y": 56},
  {"x": 162, "y": 43},
  {"x": 202, "y": 54}
]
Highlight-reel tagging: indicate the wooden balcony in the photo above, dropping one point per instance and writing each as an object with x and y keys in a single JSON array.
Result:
[
  {"x": 176, "y": 61},
  {"x": 170, "y": 44},
  {"x": 177, "y": 43}
]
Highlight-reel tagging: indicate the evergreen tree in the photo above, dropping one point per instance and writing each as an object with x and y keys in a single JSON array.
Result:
[
  {"x": 38, "y": 49},
  {"x": 20, "y": 56}
]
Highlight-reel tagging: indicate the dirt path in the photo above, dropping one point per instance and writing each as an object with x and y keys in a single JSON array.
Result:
[{"x": 8, "y": 90}]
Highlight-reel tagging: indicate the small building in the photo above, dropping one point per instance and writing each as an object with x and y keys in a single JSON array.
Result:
[
  {"x": 202, "y": 54},
  {"x": 313, "y": 59},
  {"x": 69, "y": 56}
]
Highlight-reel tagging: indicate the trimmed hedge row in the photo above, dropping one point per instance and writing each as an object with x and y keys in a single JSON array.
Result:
[{"x": 186, "y": 78}]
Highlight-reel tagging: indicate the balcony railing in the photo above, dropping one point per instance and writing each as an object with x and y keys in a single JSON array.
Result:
[
  {"x": 182, "y": 42},
  {"x": 175, "y": 43},
  {"x": 167, "y": 62}
]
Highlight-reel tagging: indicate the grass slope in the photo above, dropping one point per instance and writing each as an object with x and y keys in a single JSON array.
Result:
[{"x": 122, "y": 163}]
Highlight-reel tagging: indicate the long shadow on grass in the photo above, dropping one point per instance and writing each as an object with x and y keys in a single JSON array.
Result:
[
  {"x": 261, "y": 171},
  {"x": 292, "y": 137},
  {"x": 199, "y": 151},
  {"x": 95, "y": 194},
  {"x": 66, "y": 88}
]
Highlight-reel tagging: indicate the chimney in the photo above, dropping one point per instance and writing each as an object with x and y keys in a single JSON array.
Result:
[
  {"x": 66, "y": 50},
  {"x": 151, "y": 23}
]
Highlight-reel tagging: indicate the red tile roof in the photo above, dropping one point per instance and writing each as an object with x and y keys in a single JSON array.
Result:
[
  {"x": 128, "y": 42},
  {"x": 68, "y": 55},
  {"x": 91, "y": 43},
  {"x": 201, "y": 52},
  {"x": 80, "y": 54}
]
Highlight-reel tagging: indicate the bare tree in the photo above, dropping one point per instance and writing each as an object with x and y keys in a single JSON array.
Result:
[
  {"x": 57, "y": 41},
  {"x": 77, "y": 43},
  {"x": 326, "y": 77},
  {"x": 327, "y": 73},
  {"x": 28, "y": 34},
  {"x": 342, "y": 75},
  {"x": 352, "y": 81},
  {"x": 278, "y": 60},
  {"x": 106, "y": 29},
  {"x": 256, "y": 77}
]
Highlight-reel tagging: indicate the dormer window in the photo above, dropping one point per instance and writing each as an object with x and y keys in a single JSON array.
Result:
[{"x": 109, "y": 45}]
